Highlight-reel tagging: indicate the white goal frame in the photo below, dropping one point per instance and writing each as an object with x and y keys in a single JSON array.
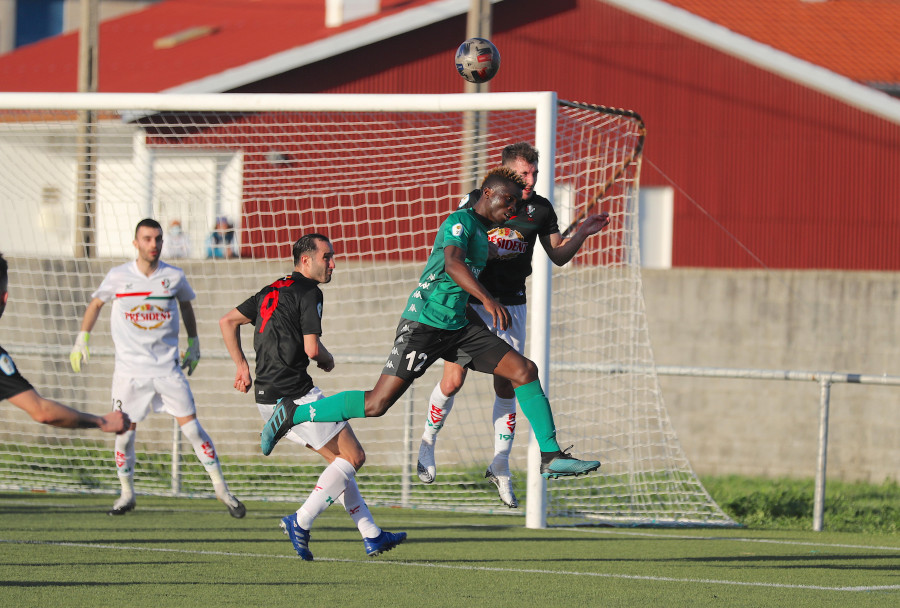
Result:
[{"x": 545, "y": 107}]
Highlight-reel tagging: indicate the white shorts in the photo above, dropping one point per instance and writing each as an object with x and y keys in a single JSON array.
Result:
[
  {"x": 514, "y": 335},
  {"x": 313, "y": 434},
  {"x": 137, "y": 396}
]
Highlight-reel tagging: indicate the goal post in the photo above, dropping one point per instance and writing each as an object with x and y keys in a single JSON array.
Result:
[{"x": 377, "y": 174}]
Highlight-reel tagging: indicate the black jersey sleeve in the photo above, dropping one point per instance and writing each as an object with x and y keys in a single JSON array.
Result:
[
  {"x": 311, "y": 312},
  {"x": 249, "y": 308},
  {"x": 11, "y": 381},
  {"x": 550, "y": 225}
]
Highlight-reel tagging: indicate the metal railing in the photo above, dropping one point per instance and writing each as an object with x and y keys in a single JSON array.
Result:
[{"x": 825, "y": 380}]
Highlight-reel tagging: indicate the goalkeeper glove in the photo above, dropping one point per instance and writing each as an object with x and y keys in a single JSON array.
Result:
[
  {"x": 79, "y": 351},
  {"x": 191, "y": 356}
]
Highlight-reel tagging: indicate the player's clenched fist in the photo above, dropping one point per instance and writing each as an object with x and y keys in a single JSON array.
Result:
[{"x": 80, "y": 351}]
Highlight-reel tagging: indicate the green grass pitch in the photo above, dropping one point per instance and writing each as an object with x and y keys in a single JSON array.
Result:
[{"x": 63, "y": 550}]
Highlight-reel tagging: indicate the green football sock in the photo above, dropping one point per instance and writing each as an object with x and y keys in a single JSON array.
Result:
[
  {"x": 343, "y": 406},
  {"x": 536, "y": 408}
]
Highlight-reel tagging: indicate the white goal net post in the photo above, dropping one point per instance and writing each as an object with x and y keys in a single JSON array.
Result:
[{"x": 377, "y": 174}]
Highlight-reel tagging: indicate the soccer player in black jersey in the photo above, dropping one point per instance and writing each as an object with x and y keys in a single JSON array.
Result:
[
  {"x": 18, "y": 391},
  {"x": 287, "y": 316},
  {"x": 504, "y": 278}
]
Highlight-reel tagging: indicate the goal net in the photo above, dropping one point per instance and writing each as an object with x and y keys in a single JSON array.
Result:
[{"x": 377, "y": 174}]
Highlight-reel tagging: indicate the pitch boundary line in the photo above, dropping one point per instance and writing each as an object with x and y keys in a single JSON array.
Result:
[
  {"x": 585, "y": 530},
  {"x": 665, "y": 579}
]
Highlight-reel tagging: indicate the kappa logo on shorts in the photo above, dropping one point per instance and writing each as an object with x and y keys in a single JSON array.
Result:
[
  {"x": 389, "y": 364},
  {"x": 312, "y": 413},
  {"x": 394, "y": 351}
]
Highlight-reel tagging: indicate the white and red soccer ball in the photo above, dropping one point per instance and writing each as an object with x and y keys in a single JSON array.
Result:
[{"x": 477, "y": 60}]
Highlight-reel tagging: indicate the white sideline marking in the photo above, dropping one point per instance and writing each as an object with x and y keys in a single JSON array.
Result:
[
  {"x": 666, "y": 579},
  {"x": 737, "y": 539}
]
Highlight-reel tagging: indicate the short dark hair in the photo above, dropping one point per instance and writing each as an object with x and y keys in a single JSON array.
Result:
[
  {"x": 147, "y": 223},
  {"x": 306, "y": 244},
  {"x": 502, "y": 175},
  {"x": 523, "y": 150},
  {"x": 4, "y": 273}
]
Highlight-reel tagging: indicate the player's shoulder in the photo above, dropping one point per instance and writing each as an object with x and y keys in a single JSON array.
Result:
[
  {"x": 540, "y": 201},
  {"x": 169, "y": 268},
  {"x": 470, "y": 199},
  {"x": 122, "y": 272}
]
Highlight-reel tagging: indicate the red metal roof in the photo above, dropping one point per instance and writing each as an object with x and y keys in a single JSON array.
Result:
[
  {"x": 245, "y": 31},
  {"x": 856, "y": 38}
]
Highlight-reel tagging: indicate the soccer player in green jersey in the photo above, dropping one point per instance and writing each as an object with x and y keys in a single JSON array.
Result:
[{"x": 434, "y": 325}]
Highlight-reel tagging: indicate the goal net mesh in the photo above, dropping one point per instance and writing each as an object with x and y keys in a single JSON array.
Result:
[{"x": 378, "y": 183}]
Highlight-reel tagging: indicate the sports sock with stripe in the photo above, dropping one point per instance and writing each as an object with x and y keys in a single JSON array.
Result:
[
  {"x": 536, "y": 407},
  {"x": 342, "y": 406},
  {"x": 331, "y": 484}
]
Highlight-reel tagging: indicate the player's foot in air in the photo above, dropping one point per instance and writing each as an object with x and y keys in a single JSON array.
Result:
[
  {"x": 278, "y": 425},
  {"x": 563, "y": 464},
  {"x": 426, "y": 467},
  {"x": 299, "y": 537},
  {"x": 504, "y": 488},
  {"x": 383, "y": 542},
  {"x": 235, "y": 507},
  {"x": 122, "y": 506}
]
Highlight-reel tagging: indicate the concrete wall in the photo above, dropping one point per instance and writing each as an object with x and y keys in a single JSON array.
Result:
[{"x": 799, "y": 320}]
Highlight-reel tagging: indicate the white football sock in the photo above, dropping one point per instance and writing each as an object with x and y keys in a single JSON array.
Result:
[
  {"x": 504, "y": 433},
  {"x": 125, "y": 460},
  {"x": 439, "y": 406},
  {"x": 330, "y": 485},
  {"x": 206, "y": 453},
  {"x": 358, "y": 509}
]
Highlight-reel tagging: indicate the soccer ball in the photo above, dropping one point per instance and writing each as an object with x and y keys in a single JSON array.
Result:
[{"x": 477, "y": 60}]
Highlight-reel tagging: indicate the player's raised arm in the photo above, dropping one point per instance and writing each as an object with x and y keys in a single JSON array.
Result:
[
  {"x": 561, "y": 251},
  {"x": 230, "y": 325}
]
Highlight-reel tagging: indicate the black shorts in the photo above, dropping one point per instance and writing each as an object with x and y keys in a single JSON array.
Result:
[{"x": 417, "y": 346}]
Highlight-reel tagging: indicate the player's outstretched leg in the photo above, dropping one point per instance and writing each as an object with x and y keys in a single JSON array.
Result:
[
  {"x": 383, "y": 542},
  {"x": 278, "y": 425},
  {"x": 299, "y": 537},
  {"x": 563, "y": 464}
]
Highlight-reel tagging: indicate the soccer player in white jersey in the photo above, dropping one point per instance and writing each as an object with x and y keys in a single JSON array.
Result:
[{"x": 147, "y": 295}]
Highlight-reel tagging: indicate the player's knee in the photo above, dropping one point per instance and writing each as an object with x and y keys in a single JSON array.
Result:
[
  {"x": 452, "y": 386},
  {"x": 357, "y": 458},
  {"x": 376, "y": 406},
  {"x": 525, "y": 373},
  {"x": 453, "y": 379}
]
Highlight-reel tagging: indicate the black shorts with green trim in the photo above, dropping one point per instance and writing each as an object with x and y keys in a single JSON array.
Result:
[{"x": 417, "y": 346}]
